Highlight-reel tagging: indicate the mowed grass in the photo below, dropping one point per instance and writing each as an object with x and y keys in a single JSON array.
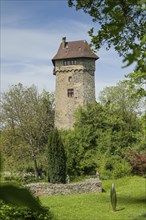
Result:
[{"x": 131, "y": 202}]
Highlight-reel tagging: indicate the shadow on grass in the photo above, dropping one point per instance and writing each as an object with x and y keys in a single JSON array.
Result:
[
  {"x": 133, "y": 200},
  {"x": 120, "y": 209},
  {"x": 142, "y": 217}
]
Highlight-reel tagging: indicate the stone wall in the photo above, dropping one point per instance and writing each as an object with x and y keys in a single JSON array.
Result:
[{"x": 89, "y": 186}]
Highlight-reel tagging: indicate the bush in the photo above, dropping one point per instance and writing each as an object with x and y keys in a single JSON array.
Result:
[
  {"x": 121, "y": 169},
  {"x": 137, "y": 162},
  {"x": 12, "y": 178},
  {"x": 10, "y": 212},
  {"x": 28, "y": 177},
  {"x": 105, "y": 175},
  {"x": 113, "y": 167}
]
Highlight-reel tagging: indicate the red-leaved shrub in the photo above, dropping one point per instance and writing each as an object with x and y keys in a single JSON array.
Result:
[{"x": 137, "y": 162}]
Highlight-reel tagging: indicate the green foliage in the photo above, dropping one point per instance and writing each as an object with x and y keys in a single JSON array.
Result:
[
  {"x": 121, "y": 24},
  {"x": 103, "y": 133},
  {"x": 27, "y": 119},
  {"x": 138, "y": 78},
  {"x": 121, "y": 169},
  {"x": 11, "y": 178},
  {"x": 56, "y": 158},
  {"x": 113, "y": 167},
  {"x": 10, "y": 212}
]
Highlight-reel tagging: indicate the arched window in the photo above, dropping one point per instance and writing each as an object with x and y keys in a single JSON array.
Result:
[{"x": 69, "y": 78}]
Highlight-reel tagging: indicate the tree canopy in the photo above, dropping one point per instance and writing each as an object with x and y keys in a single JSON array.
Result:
[
  {"x": 121, "y": 24},
  {"x": 104, "y": 132}
]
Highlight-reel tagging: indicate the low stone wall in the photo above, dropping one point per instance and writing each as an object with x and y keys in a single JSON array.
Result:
[{"x": 88, "y": 186}]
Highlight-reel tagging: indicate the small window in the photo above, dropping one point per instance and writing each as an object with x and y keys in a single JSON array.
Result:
[
  {"x": 70, "y": 92},
  {"x": 74, "y": 62},
  {"x": 65, "y": 63},
  {"x": 69, "y": 78},
  {"x": 69, "y": 62}
]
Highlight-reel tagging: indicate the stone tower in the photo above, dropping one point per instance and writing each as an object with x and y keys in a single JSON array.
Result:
[{"x": 74, "y": 67}]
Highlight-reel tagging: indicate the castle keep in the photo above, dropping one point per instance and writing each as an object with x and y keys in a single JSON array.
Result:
[{"x": 74, "y": 67}]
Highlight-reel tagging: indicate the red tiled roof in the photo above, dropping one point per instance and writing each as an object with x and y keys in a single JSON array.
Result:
[{"x": 74, "y": 49}]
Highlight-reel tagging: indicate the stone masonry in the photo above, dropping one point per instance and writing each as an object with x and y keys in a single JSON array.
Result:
[{"x": 92, "y": 185}]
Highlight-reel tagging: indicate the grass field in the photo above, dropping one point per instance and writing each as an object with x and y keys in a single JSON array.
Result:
[{"x": 131, "y": 202}]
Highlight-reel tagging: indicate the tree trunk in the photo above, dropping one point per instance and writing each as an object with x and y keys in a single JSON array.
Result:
[{"x": 35, "y": 165}]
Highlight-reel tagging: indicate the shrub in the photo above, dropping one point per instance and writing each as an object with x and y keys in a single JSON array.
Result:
[
  {"x": 113, "y": 167},
  {"x": 28, "y": 177},
  {"x": 10, "y": 212},
  {"x": 137, "y": 162},
  {"x": 105, "y": 174},
  {"x": 121, "y": 169},
  {"x": 12, "y": 178}
]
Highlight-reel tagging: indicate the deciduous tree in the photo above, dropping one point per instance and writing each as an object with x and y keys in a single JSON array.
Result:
[
  {"x": 120, "y": 24},
  {"x": 29, "y": 117}
]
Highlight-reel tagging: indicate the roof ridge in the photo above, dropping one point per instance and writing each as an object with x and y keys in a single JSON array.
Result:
[{"x": 75, "y": 41}]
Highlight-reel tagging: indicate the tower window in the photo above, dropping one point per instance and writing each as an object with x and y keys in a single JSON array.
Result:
[
  {"x": 69, "y": 78},
  {"x": 70, "y": 92},
  {"x": 69, "y": 62}
]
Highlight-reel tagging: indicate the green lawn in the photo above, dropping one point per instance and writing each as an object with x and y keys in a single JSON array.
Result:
[{"x": 131, "y": 202}]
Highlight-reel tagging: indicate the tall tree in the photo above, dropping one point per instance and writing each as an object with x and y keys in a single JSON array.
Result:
[
  {"x": 124, "y": 111},
  {"x": 121, "y": 24},
  {"x": 104, "y": 131},
  {"x": 29, "y": 116},
  {"x": 56, "y": 158}
]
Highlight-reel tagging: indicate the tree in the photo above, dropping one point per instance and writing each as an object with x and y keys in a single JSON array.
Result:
[
  {"x": 81, "y": 142},
  {"x": 103, "y": 132},
  {"x": 120, "y": 98},
  {"x": 124, "y": 113},
  {"x": 29, "y": 117},
  {"x": 56, "y": 158},
  {"x": 122, "y": 24}
]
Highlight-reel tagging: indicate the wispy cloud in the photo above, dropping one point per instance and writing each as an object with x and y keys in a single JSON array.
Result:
[
  {"x": 26, "y": 54},
  {"x": 39, "y": 75}
]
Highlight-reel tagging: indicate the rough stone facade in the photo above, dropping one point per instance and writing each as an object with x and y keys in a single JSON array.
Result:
[
  {"x": 92, "y": 185},
  {"x": 79, "y": 78}
]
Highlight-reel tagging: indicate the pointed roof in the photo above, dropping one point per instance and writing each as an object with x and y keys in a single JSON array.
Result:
[{"x": 74, "y": 49}]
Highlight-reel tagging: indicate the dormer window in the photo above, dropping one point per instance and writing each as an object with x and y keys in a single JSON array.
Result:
[{"x": 69, "y": 62}]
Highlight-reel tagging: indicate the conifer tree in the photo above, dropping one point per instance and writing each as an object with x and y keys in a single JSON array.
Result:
[{"x": 56, "y": 158}]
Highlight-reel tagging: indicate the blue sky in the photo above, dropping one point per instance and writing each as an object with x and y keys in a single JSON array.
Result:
[{"x": 31, "y": 32}]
